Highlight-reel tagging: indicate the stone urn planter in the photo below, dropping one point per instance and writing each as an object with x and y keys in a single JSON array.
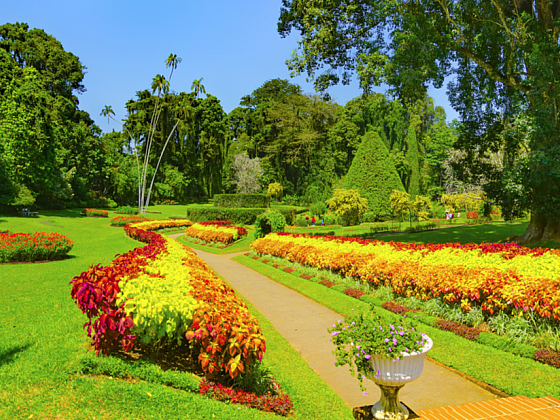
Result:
[{"x": 390, "y": 376}]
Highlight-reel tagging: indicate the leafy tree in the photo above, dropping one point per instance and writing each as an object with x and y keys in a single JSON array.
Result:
[
  {"x": 349, "y": 205},
  {"x": 373, "y": 174},
  {"x": 275, "y": 190},
  {"x": 172, "y": 61},
  {"x": 413, "y": 162},
  {"x": 504, "y": 54},
  {"x": 422, "y": 207},
  {"x": 246, "y": 174},
  {"x": 400, "y": 204}
]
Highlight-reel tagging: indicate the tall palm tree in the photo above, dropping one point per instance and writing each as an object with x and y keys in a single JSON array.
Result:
[
  {"x": 107, "y": 111},
  {"x": 172, "y": 62},
  {"x": 160, "y": 83},
  {"x": 197, "y": 87}
]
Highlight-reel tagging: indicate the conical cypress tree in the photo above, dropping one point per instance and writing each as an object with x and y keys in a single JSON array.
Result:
[
  {"x": 373, "y": 174},
  {"x": 414, "y": 162}
]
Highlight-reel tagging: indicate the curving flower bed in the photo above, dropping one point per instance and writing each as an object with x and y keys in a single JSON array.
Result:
[
  {"x": 492, "y": 276},
  {"x": 216, "y": 231},
  {"x": 31, "y": 247},
  {"x": 162, "y": 296}
]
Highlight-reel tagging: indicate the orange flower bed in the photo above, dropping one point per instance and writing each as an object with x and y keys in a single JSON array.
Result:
[{"x": 489, "y": 288}]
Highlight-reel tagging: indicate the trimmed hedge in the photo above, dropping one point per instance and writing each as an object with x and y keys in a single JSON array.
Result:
[
  {"x": 245, "y": 201},
  {"x": 243, "y": 216}
]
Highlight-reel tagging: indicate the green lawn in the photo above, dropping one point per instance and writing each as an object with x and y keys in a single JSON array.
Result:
[{"x": 42, "y": 343}]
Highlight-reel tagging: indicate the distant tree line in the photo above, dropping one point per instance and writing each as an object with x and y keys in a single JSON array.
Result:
[{"x": 52, "y": 154}]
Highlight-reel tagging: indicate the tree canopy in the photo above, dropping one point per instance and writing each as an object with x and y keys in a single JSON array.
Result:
[{"x": 505, "y": 58}]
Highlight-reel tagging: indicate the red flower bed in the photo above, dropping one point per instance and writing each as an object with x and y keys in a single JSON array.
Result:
[
  {"x": 459, "y": 329},
  {"x": 94, "y": 213},
  {"x": 354, "y": 293},
  {"x": 327, "y": 283},
  {"x": 241, "y": 231},
  {"x": 472, "y": 214},
  {"x": 38, "y": 246},
  {"x": 289, "y": 270},
  {"x": 280, "y": 404},
  {"x": 509, "y": 250},
  {"x": 548, "y": 357},
  {"x": 306, "y": 277},
  {"x": 223, "y": 336},
  {"x": 397, "y": 308}
]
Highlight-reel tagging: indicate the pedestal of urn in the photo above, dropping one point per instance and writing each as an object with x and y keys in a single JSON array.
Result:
[{"x": 391, "y": 377}]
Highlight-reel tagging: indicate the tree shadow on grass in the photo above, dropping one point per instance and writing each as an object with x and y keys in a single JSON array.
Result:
[{"x": 9, "y": 355}]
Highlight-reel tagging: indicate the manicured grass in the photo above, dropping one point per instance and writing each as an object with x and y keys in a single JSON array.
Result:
[
  {"x": 513, "y": 375},
  {"x": 489, "y": 232},
  {"x": 240, "y": 246},
  {"x": 43, "y": 345}
]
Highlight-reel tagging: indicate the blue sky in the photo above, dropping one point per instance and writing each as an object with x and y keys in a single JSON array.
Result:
[{"x": 234, "y": 46}]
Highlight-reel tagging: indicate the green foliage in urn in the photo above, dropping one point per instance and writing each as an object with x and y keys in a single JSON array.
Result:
[
  {"x": 373, "y": 174},
  {"x": 362, "y": 335}
]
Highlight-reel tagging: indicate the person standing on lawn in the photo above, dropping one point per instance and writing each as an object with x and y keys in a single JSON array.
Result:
[{"x": 313, "y": 220}]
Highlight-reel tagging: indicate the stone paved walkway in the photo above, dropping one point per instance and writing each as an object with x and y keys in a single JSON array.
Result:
[{"x": 304, "y": 322}]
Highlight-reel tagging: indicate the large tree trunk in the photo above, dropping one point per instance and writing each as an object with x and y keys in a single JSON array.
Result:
[{"x": 540, "y": 228}]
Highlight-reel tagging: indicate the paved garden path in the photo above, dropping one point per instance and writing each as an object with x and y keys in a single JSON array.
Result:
[{"x": 304, "y": 322}]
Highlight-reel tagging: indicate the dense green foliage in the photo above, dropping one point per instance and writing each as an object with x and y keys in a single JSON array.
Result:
[
  {"x": 504, "y": 57},
  {"x": 374, "y": 175},
  {"x": 349, "y": 205},
  {"x": 412, "y": 158},
  {"x": 269, "y": 222},
  {"x": 242, "y": 200},
  {"x": 242, "y": 216}
]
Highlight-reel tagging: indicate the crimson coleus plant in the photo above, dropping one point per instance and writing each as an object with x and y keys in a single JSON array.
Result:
[{"x": 95, "y": 292}]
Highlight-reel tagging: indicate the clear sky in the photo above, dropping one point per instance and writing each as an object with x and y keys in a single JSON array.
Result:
[{"x": 234, "y": 46}]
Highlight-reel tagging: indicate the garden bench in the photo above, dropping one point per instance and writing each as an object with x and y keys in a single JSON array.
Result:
[{"x": 30, "y": 214}]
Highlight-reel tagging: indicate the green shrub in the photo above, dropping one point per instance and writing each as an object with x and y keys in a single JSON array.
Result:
[
  {"x": 255, "y": 201},
  {"x": 301, "y": 221},
  {"x": 506, "y": 344},
  {"x": 318, "y": 209},
  {"x": 370, "y": 299},
  {"x": 332, "y": 219},
  {"x": 236, "y": 216},
  {"x": 368, "y": 217},
  {"x": 269, "y": 222},
  {"x": 373, "y": 174},
  {"x": 349, "y": 205},
  {"x": 126, "y": 210}
]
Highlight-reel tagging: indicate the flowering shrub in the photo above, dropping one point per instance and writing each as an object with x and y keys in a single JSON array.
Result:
[
  {"x": 396, "y": 308},
  {"x": 495, "y": 277},
  {"x": 472, "y": 214},
  {"x": 94, "y": 213},
  {"x": 160, "y": 291},
  {"x": 38, "y": 246},
  {"x": 327, "y": 283},
  {"x": 123, "y": 220},
  {"x": 459, "y": 329},
  {"x": 216, "y": 231},
  {"x": 278, "y": 404},
  {"x": 358, "y": 337},
  {"x": 548, "y": 357},
  {"x": 354, "y": 293}
]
